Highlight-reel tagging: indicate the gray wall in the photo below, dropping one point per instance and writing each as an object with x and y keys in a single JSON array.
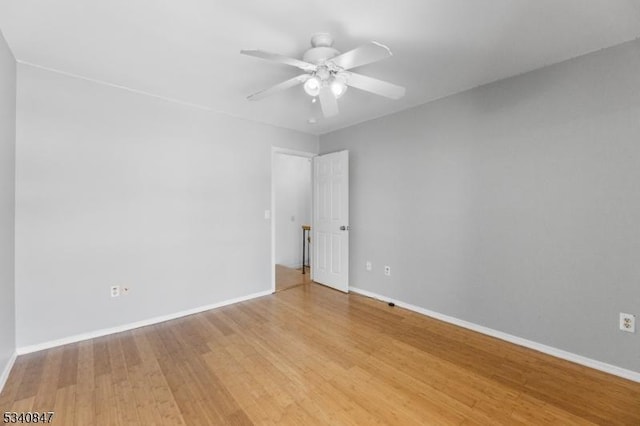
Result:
[
  {"x": 515, "y": 206},
  {"x": 7, "y": 197},
  {"x": 118, "y": 188}
]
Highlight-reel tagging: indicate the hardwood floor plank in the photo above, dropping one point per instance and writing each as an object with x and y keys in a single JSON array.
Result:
[
  {"x": 22, "y": 405},
  {"x": 155, "y": 380},
  {"x": 141, "y": 392},
  {"x": 8, "y": 394},
  {"x": 65, "y": 405},
  {"x": 117, "y": 359},
  {"x": 32, "y": 376},
  {"x": 85, "y": 389},
  {"x": 101, "y": 364},
  {"x": 215, "y": 318},
  {"x": 69, "y": 367},
  {"x": 130, "y": 350},
  {"x": 105, "y": 401},
  {"x": 165, "y": 400},
  {"x": 46, "y": 395},
  {"x": 246, "y": 388}
]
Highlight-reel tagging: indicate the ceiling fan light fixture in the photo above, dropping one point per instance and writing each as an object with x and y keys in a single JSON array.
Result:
[
  {"x": 327, "y": 74},
  {"x": 312, "y": 86},
  {"x": 338, "y": 87}
]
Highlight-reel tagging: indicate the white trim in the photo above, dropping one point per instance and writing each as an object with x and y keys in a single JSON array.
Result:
[
  {"x": 549, "y": 350},
  {"x": 7, "y": 370},
  {"x": 105, "y": 331},
  {"x": 291, "y": 265}
]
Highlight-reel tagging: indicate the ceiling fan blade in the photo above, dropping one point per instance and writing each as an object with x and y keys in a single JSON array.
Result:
[
  {"x": 365, "y": 54},
  {"x": 374, "y": 85},
  {"x": 280, "y": 58},
  {"x": 328, "y": 102},
  {"x": 282, "y": 86}
]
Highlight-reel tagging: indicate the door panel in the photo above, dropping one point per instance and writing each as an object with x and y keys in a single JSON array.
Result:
[{"x": 331, "y": 220}]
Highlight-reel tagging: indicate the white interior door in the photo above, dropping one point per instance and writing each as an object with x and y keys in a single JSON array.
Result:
[{"x": 331, "y": 220}]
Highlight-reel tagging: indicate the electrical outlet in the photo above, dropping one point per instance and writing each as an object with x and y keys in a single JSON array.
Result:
[
  {"x": 387, "y": 270},
  {"x": 125, "y": 291},
  {"x": 115, "y": 290},
  {"x": 627, "y": 322},
  {"x": 368, "y": 266}
]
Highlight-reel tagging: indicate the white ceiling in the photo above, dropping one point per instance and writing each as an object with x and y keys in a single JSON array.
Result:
[{"x": 188, "y": 50}]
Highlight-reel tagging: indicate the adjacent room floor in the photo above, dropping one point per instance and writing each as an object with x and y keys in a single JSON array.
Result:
[
  {"x": 312, "y": 355},
  {"x": 290, "y": 277}
]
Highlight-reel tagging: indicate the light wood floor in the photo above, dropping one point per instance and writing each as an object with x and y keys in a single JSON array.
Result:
[
  {"x": 311, "y": 355},
  {"x": 289, "y": 277}
]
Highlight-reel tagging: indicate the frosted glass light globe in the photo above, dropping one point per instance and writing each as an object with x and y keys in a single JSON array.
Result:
[
  {"x": 338, "y": 87},
  {"x": 312, "y": 86}
]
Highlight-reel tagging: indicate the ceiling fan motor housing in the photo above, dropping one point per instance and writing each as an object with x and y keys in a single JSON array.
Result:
[{"x": 321, "y": 50}]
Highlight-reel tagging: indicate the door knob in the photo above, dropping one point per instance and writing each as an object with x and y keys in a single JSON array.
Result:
[{"x": 344, "y": 228}]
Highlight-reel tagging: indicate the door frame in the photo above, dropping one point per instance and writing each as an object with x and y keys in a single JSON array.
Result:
[{"x": 274, "y": 151}]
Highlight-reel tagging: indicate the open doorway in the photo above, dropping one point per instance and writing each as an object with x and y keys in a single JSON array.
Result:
[{"x": 292, "y": 209}]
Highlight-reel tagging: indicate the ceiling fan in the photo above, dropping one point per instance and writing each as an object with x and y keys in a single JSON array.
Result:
[{"x": 326, "y": 72}]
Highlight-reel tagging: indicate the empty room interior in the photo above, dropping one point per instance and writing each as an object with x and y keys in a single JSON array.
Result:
[{"x": 320, "y": 212}]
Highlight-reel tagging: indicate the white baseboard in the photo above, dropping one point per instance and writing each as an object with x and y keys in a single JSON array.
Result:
[
  {"x": 7, "y": 370},
  {"x": 105, "y": 331},
  {"x": 549, "y": 350},
  {"x": 292, "y": 265}
]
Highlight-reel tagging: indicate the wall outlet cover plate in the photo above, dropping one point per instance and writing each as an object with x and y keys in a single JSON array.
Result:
[{"x": 627, "y": 322}]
